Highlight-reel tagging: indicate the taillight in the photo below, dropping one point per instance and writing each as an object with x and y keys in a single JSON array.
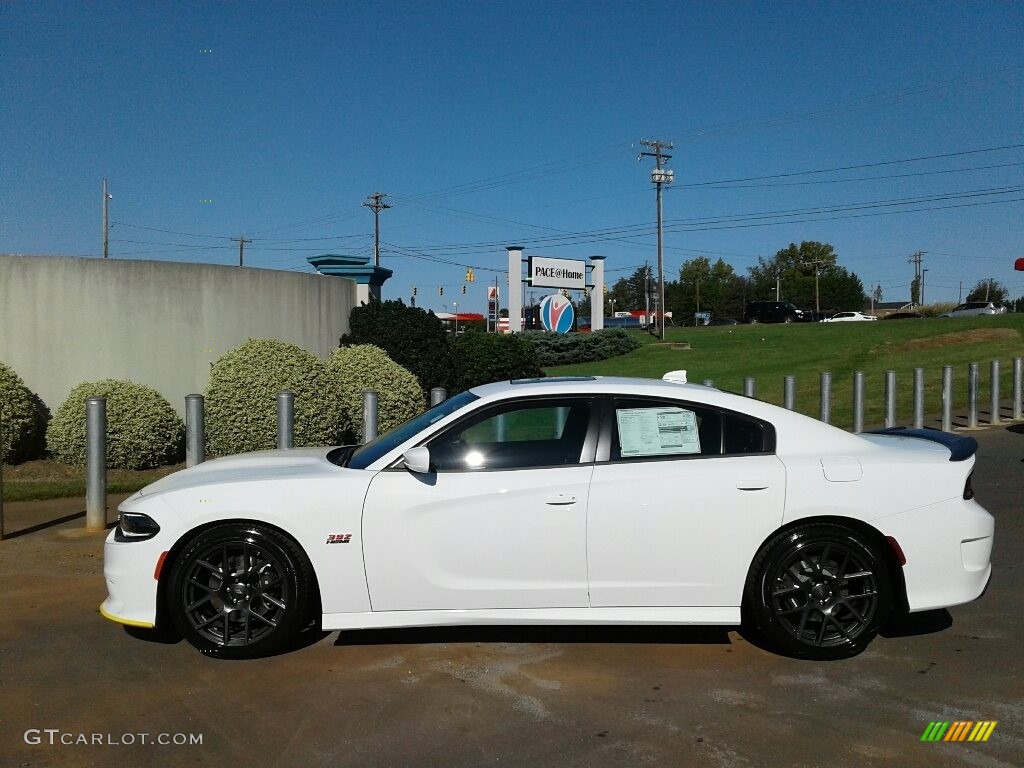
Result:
[
  {"x": 968, "y": 489},
  {"x": 897, "y": 550}
]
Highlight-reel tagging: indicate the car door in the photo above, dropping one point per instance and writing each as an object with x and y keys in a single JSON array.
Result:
[
  {"x": 500, "y": 520},
  {"x": 680, "y": 502}
]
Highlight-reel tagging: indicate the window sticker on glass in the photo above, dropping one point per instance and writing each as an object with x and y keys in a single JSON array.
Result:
[{"x": 657, "y": 431}]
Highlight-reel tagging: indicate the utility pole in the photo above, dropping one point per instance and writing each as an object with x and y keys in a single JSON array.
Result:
[
  {"x": 241, "y": 248},
  {"x": 778, "y": 285},
  {"x": 647, "y": 296},
  {"x": 375, "y": 203},
  {"x": 659, "y": 176},
  {"x": 916, "y": 260},
  {"x": 817, "y": 301},
  {"x": 106, "y": 219},
  {"x": 922, "y": 285}
]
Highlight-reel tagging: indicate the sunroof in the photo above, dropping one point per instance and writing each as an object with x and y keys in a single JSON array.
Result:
[{"x": 554, "y": 379}]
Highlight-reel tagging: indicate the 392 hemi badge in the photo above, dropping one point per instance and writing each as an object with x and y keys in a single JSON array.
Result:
[{"x": 339, "y": 538}]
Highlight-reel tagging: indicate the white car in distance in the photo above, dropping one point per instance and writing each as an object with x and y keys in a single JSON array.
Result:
[
  {"x": 574, "y": 500},
  {"x": 848, "y": 317},
  {"x": 974, "y": 309}
]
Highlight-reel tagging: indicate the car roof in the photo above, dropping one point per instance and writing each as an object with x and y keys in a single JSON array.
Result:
[{"x": 557, "y": 385}]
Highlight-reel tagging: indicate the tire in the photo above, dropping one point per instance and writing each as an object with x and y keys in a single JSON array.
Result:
[
  {"x": 262, "y": 606},
  {"x": 753, "y": 321},
  {"x": 788, "y": 319},
  {"x": 819, "y": 591}
]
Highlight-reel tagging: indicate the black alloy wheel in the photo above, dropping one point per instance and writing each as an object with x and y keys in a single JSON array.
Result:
[
  {"x": 240, "y": 591},
  {"x": 819, "y": 591}
]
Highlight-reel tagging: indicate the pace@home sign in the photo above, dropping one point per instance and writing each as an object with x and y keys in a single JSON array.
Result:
[{"x": 557, "y": 273}]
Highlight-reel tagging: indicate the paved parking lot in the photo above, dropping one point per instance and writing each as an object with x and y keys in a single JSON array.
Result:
[{"x": 497, "y": 696}]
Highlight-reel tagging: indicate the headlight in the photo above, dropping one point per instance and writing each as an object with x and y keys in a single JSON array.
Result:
[{"x": 135, "y": 526}]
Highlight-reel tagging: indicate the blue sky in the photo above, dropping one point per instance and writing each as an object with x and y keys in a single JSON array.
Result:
[{"x": 490, "y": 124}]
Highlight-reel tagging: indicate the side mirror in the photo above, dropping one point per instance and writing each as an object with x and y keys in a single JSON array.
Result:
[{"x": 417, "y": 460}]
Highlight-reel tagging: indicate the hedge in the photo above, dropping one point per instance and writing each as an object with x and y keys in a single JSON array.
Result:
[
  {"x": 364, "y": 366},
  {"x": 241, "y": 398},
  {"x": 143, "y": 431},
  {"x": 567, "y": 349},
  {"x": 481, "y": 358},
  {"x": 22, "y": 419}
]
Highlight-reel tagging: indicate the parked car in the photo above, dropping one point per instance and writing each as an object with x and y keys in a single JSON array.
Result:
[
  {"x": 774, "y": 312},
  {"x": 724, "y": 321},
  {"x": 904, "y": 316},
  {"x": 848, "y": 317},
  {"x": 562, "y": 501},
  {"x": 974, "y": 308}
]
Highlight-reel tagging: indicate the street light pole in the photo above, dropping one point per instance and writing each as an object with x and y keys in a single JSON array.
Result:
[{"x": 659, "y": 176}]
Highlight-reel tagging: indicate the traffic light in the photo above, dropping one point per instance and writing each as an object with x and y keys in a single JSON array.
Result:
[
  {"x": 440, "y": 290},
  {"x": 463, "y": 290},
  {"x": 470, "y": 277},
  {"x": 414, "y": 290}
]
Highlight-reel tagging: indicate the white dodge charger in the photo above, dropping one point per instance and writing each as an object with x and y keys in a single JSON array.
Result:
[{"x": 579, "y": 500}]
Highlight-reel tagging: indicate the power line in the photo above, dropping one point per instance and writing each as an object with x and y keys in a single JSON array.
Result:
[{"x": 853, "y": 167}]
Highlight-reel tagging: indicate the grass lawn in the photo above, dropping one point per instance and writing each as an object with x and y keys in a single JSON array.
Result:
[
  {"x": 37, "y": 480},
  {"x": 728, "y": 354}
]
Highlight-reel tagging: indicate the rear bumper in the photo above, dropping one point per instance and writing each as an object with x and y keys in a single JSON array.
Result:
[{"x": 948, "y": 547}]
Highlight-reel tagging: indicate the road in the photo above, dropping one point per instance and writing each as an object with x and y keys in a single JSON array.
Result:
[{"x": 505, "y": 696}]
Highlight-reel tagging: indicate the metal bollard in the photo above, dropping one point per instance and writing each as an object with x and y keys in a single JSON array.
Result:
[
  {"x": 96, "y": 464},
  {"x": 995, "y": 417},
  {"x": 709, "y": 382},
  {"x": 947, "y": 398},
  {"x": 972, "y": 396},
  {"x": 826, "y": 397},
  {"x": 1018, "y": 374},
  {"x": 195, "y": 430},
  {"x": 369, "y": 415},
  {"x": 858, "y": 401},
  {"x": 285, "y": 420},
  {"x": 749, "y": 387},
  {"x": 789, "y": 396},
  {"x": 890, "y": 398},
  {"x": 437, "y": 396},
  {"x": 919, "y": 398}
]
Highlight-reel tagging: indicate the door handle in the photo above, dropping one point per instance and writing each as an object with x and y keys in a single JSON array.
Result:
[
  {"x": 560, "y": 500},
  {"x": 744, "y": 486}
]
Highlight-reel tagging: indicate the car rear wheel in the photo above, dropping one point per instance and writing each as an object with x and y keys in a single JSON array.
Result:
[
  {"x": 240, "y": 591},
  {"x": 820, "y": 591}
]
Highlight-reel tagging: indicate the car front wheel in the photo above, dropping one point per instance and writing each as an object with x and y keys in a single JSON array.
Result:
[
  {"x": 819, "y": 591},
  {"x": 240, "y": 591}
]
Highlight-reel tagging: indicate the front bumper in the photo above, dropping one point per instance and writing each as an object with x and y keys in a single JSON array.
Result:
[{"x": 129, "y": 569}]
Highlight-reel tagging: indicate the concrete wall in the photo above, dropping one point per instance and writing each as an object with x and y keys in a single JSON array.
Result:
[{"x": 68, "y": 320}]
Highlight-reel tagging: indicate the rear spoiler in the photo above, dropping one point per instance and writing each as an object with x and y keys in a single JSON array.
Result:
[{"x": 960, "y": 448}]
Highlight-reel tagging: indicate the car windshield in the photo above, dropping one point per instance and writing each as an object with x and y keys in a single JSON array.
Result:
[{"x": 365, "y": 455}]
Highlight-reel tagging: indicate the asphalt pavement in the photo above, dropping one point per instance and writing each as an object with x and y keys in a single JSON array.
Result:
[{"x": 77, "y": 690}]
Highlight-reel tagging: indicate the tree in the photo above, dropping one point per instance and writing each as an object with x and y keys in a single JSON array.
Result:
[
  {"x": 989, "y": 290},
  {"x": 794, "y": 266},
  {"x": 628, "y": 292},
  {"x": 706, "y": 287},
  {"x": 915, "y": 291},
  {"x": 877, "y": 294}
]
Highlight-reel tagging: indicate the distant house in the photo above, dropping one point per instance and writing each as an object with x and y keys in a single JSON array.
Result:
[{"x": 883, "y": 308}]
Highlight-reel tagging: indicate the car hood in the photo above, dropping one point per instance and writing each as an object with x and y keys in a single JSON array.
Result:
[{"x": 259, "y": 465}]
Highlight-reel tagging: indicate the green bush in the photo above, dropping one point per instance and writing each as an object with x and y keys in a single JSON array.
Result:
[
  {"x": 412, "y": 337},
  {"x": 481, "y": 358},
  {"x": 22, "y": 419},
  {"x": 241, "y": 398},
  {"x": 364, "y": 366},
  {"x": 143, "y": 431},
  {"x": 569, "y": 348}
]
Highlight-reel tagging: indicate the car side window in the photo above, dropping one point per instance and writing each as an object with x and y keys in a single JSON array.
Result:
[
  {"x": 516, "y": 435},
  {"x": 648, "y": 429}
]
